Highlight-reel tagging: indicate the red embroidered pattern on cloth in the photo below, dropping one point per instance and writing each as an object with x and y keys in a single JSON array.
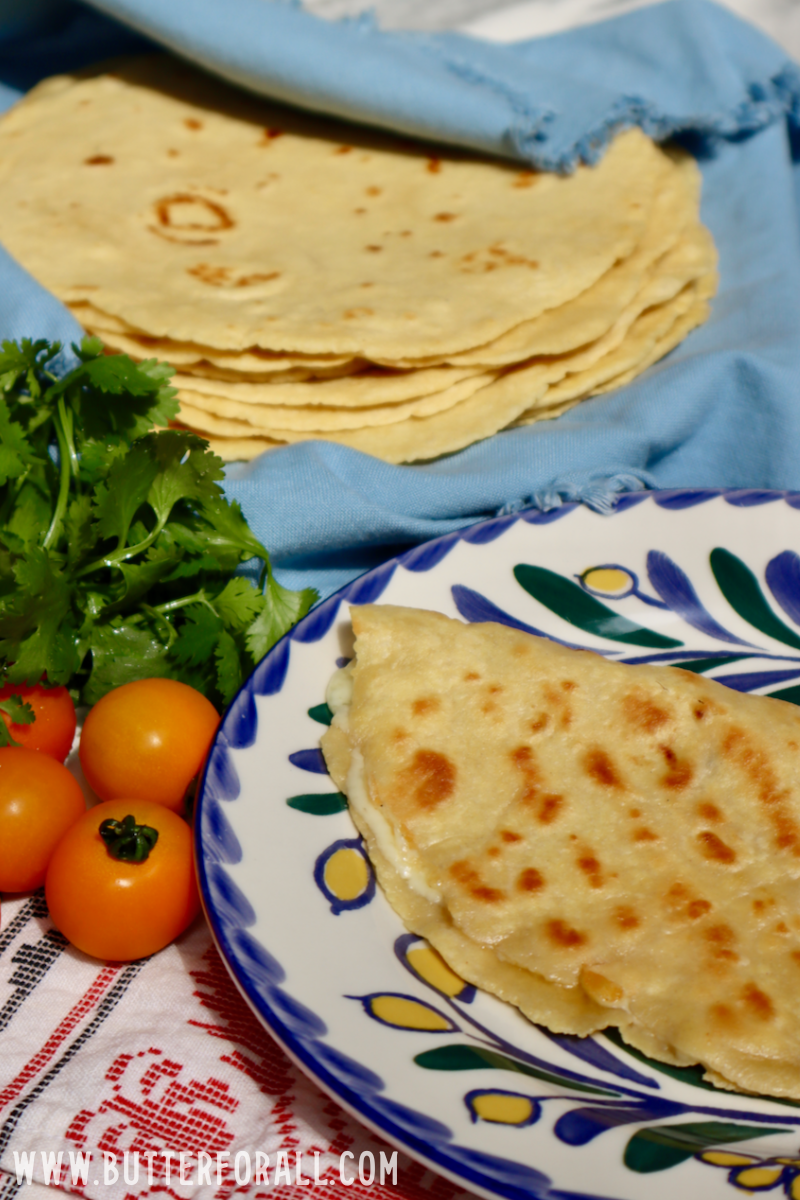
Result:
[{"x": 161, "y": 1058}]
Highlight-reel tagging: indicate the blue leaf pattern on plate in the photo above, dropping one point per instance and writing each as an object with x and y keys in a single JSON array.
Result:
[
  {"x": 676, "y": 590},
  {"x": 748, "y": 681},
  {"x": 783, "y": 580},
  {"x": 309, "y": 760},
  {"x": 476, "y": 608},
  {"x": 597, "y": 1055}
]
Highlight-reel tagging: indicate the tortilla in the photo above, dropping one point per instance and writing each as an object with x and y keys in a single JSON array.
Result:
[
  {"x": 193, "y": 212},
  {"x": 600, "y": 844}
]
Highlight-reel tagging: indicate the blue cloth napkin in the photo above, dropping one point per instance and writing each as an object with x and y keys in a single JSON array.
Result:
[{"x": 723, "y": 409}]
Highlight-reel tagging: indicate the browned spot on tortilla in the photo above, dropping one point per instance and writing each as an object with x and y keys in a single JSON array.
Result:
[
  {"x": 679, "y": 774},
  {"x": 708, "y": 811},
  {"x": 471, "y": 676},
  {"x": 530, "y": 880},
  {"x": 405, "y": 233},
  {"x": 470, "y": 879},
  {"x": 432, "y": 778},
  {"x": 525, "y": 179},
  {"x": 697, "y": 908},
  {"x": 714, "y": 849},
  {"x": 599, "y": 767},
  {"x": 568, "y": 685},
  {"x": 634, "y": 812},
  {"x": 400, "y": 735},
  {"x": 549, "y": 808},
  {"x": 434, "y": 165},
  {"x": 626, "y": 917},
  {"x": 444, "y": 217},
  {"x": 374, "y": 249},
  {"x": 184, "y": 211},
  {"x": 545, "y": 805},
  {"x": 366, "y": 285},
  {"x": 426, "y": 704},
  {"x": 721, "y": 938},
  {"x": 781, "y": 927},
  {"x": 558, "y": 704},
  {"x": 494, "y": 689},
  {"x": 644, "y": 834},
  {"x": 591, "y": 869},
  {"x": 508, "y": 835},
  {"x": 721, "y": 1014},
  {"x": 641, "y": 712},
  {"x": 223, "y": 277},
  {"x": 192, "y": 123},
  {"x": 540, "y": 723},
  {"x": 755, "y": 765},
  {"x": 343, "y": 149},
  {"x": 98, "y": 160},
  {"x": 796, "y": 956},
  {"x": 678, "y": 891},
  {"x": 564, "y": 935},
  {"x": 269, "y": 135},
  {"x": 757, "y": 1002},
  {"x": 352, "y": 314},
  {"x": 436, "y": 254},
  {"x": 493, "y": 851},
  {"x": 359, "y": 211}
]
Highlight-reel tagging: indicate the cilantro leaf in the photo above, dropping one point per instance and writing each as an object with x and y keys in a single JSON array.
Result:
[
  {"x": 230, "y": 530},
  {"x": 198, "y": 636},
  {"x": 187, "y": 471},
  {"x": 15, "y": 450},
  {"x": 282, "y": 610},
  {"x": 19, "y": 712},
  {"x": 121, "y": 652},
  {"x": 119, "y": 499},
  {"x": 229, "y": 667},
  {"x": 239, "y": 604}
]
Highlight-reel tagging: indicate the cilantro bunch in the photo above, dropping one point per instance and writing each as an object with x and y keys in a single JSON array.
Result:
[{"x": 117, "y": 544}]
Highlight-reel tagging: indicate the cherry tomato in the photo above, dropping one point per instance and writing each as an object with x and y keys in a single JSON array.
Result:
[
  {"x": 118, "y": 910},
  {"x": 39, "y": 801},
  {"x": 147, "y": 740},
  {"x": 53, "y": 730}
]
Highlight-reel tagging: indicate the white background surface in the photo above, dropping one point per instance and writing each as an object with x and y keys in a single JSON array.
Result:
[{"x": 499, "y": 20}]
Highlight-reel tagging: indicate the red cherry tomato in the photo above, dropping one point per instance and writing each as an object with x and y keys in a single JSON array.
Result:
[
  {"x": 39, "y": 801},
  {"x": 120, "y": 910},
  {"x": 147, "y": 740},
  {"x": 53, "y": 729}
]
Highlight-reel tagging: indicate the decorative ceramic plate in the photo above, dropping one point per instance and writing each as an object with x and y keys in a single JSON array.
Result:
[{"x": 707, "y": 580}]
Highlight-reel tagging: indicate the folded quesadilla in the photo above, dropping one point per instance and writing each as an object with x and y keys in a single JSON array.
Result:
[{"x": 596, "y": 843}]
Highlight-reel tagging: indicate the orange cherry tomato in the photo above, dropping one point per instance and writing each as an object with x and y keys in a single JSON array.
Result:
[
  {"x": 147, "y": 740},
  {"x": 119, "y": 910},
  {"x": 39, "y": 801},
  {"x": 53, "y": 729}
]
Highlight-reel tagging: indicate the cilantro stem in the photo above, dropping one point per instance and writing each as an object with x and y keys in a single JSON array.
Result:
[
  {"x": 198, "y": 598},
  {"x": 64, "y": 464},
  {"x": 67, "y": 419},
  {"x": 120, "y": 556}
]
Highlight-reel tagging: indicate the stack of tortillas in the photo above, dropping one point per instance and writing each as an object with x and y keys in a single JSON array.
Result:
[{"x": 309, "y": 279}]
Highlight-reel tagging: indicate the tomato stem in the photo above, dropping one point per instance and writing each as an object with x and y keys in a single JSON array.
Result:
[{"x": 126, "y": 840}]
